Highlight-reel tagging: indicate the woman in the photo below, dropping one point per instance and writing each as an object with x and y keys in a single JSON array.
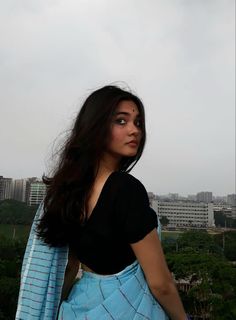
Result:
[{"x": 99, "y": 211}]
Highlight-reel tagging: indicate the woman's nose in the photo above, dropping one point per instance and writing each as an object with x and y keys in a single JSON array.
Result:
[{"x": 133, "y": 129}]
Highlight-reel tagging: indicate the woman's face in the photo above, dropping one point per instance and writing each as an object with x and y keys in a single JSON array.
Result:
[{"x": 126, "y": 131}]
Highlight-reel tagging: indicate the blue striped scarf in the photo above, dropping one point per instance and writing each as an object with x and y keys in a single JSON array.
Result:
[{"x": 42, "y": 278}]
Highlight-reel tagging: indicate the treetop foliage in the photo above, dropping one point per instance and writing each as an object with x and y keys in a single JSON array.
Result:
[{"x": 16, "y": 212}]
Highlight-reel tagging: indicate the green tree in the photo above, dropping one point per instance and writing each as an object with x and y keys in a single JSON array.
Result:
[
  {"x": 16, "y": 212},
  {"x": 198, "y": 241},
  {"x": 9, "y": 288},
  {"x": 11, "y": 255},
  {"x": 212, "y": 280},
  {"x": 227, "y": 241},
  {"x": 200, "y": 261}
]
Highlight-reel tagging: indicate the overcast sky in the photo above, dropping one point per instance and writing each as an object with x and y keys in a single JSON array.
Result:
[{"x": 177, "y": 55}]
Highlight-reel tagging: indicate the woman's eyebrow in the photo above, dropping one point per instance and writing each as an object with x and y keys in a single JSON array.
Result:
[{"x": 125, "y": 113}]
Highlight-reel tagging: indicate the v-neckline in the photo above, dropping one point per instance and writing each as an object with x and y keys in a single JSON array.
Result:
[{"x": 99, "y": 199}]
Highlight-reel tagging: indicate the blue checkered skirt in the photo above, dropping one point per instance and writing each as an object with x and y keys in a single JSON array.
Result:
[{"x": 121, "y": 296}]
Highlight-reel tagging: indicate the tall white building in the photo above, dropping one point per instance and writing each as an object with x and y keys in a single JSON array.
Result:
[
  {"x": 185, "y": 214},
  {"x": 37, "y": 191}
]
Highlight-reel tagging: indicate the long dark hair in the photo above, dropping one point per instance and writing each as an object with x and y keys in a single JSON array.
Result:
[{"x": 77, "y": 167}]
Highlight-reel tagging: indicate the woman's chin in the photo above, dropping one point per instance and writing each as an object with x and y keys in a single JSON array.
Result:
[{"x": 130, "y": 154}]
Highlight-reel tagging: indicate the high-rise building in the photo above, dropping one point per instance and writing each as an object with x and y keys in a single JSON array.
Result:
[
  {"x": 6, "y": 188},
  {"x": 19, "y": 190},
  {"x": 27, "y": 191},
  {"x": 37, "y": 191},
  {"x": 204, "y": 196},
  {"x": 231, "y": 200},
  {"x": 185, "y": 214}
]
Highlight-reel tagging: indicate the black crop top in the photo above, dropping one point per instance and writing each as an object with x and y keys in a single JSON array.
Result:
[{"x": 121, "y": 216}]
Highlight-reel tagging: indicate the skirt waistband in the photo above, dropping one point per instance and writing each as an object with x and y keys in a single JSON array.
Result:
[{"x": 110, "y": 276}]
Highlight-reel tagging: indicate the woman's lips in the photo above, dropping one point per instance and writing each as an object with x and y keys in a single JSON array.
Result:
[{"x": 133, "y": 144}]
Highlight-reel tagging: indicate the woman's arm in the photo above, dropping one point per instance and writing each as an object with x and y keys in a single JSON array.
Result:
[
  {"x": 150, "y": 255},
  {"x": 72, "y": 269}
]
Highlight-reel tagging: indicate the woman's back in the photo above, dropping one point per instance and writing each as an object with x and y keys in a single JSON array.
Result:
[{"x": 120, "y": 216}]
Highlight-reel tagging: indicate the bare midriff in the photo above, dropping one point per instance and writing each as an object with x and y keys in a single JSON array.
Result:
[{"x": 85, "y": 268}]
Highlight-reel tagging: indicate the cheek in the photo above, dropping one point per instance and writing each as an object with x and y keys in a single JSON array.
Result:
[{"x": 117, "y": 135}]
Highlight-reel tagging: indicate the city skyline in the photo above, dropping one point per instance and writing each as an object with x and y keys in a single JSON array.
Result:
[
  {"x": 150, "y": 191},
  {"x": 179, "y": 57}
]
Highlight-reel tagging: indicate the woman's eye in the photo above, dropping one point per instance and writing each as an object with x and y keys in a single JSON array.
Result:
[
  {"x": 120, "y": 121},
  {"x": 138, "y": 123}
]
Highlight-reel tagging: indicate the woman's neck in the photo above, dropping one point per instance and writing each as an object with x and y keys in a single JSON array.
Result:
[{"x": 107, "y": 165}]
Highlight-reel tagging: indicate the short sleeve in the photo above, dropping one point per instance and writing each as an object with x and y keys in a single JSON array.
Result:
[{"x": 135, "y": 216}]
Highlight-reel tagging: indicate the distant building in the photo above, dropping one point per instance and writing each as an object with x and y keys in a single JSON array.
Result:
[
  {"x": 205, "y": 197},
  {"x": 173, "y": 196},
  {"x": 1, "y": 188},
  {"x": 224, "y": 209},
  {"x": 219, "y": 200},
  {"x": 6, "y": 188},
  {"x": 151, "y": 196},
  {"x": 233, "y": 212},
  {"x": 19, "y": 190},
  {"x": 221, "y": 207},
  {"x": 231, "y": 199},
  {"x": 168, "y": 197},
  {"x": 27, "y": 191},
  {"x": 185, "y": 214},
  {"x": 37, "y": 191},
  {"x": 192, "y": 197}
]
